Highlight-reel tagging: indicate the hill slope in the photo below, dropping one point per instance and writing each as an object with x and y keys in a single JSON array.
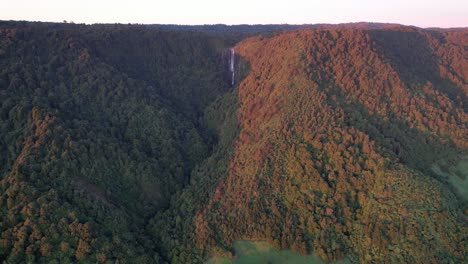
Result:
[
  {"x": 98, "y": 129},
  {"x": 338, "y": 131}
]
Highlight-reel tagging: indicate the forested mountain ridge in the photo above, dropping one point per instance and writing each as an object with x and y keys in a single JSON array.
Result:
[
  {"x": 339, "y": 132},
  {"x": 126, "y": 143}
]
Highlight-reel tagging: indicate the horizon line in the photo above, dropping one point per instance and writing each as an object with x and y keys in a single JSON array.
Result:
[{"x": 233, "y": 25}]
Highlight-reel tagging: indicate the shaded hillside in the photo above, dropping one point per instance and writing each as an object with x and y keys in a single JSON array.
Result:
[
  {"x": 98, "y": 129},
  {"x": 338, "y": 133}
]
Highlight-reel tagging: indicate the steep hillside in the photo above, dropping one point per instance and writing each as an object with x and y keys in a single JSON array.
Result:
[
  {"x": 339, "y": 130},
  {"x": 94, "y": 138}
]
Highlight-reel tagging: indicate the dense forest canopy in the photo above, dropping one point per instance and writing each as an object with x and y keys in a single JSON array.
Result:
[{"x": 127, "y": 142}]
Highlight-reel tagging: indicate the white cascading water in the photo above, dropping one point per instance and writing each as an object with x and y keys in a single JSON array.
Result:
[{"x": 231, "y": 68}]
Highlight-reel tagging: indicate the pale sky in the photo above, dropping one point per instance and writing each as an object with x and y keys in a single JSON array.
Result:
[{"x": 422, "y": 13}]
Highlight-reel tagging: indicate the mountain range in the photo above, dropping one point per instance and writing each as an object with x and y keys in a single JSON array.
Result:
[{"x": 129, "y": 143}]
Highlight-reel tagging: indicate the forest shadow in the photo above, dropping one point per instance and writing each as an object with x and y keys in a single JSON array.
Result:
[
  {"x": 397, "y": 139},
  {"x": 405, "y": 49}
]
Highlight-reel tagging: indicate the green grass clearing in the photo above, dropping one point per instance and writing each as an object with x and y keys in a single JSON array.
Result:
[
  {"x": 457, "y": 176},
  {"x": 253, "y": 252}
]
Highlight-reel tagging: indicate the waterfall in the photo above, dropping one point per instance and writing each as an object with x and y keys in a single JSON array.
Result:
[{"x": 231, "y": 68}]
